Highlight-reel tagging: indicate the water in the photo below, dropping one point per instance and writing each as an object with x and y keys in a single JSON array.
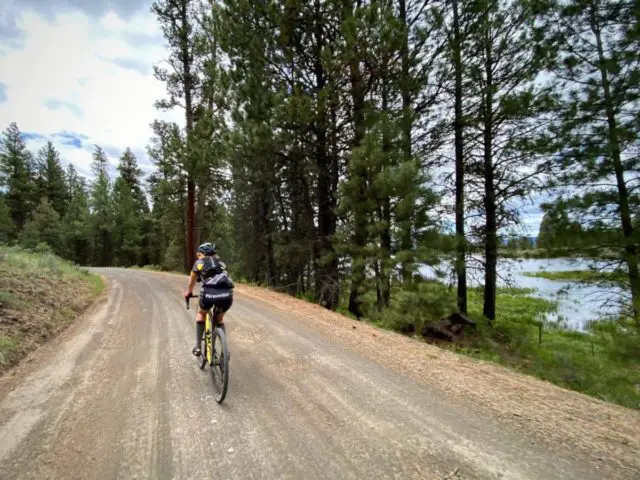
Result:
[{"x": 578, "y": 303}]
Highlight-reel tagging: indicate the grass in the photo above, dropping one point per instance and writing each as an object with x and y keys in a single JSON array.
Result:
[
  {"x": 569, "y": 252},
  {"x": 41, "y": 294},
  {"x": 583, "y": 276},
  {"x": 603, "y": 362}
]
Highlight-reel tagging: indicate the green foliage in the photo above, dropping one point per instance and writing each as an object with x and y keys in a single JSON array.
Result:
[
  {"x": 43, "y": 227},
  {"x": 410, "y": 310},
  {"x": 16, "y": 175},
  {"x": 50, "y": 178},
  {"x": 75, "y": 230},
  {"x": 8, "y": 349},
  {"x": 130, "y": 211},
  {"x": 41, "y": 264},
  {"x": 597, "y": 139},
  {"x": 7, "y": 228},
  {"x": 101, "y": 220}
]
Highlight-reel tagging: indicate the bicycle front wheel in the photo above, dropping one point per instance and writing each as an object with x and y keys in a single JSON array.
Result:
[{"x": 220, "y": 365}]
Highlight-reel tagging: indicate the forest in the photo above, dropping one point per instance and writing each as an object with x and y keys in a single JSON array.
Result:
[{"x": 332, "y": 148}]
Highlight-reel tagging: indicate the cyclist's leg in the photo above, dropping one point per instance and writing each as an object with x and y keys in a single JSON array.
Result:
[
  {"x": 200, "y": 316},
  {"x": 218, "y": 318}
]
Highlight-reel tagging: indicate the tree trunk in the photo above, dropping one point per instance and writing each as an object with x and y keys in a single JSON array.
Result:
[
  {"x": 461, "y": 266},
  {"x": 188, "y": 101},
  {"x": 630, "y": 252},
  {"x": 190, "y": 241},
  {"x": 360, "y": 229},
  {"x": 491, "y": 231},
  {"x": 200, "y": 215},
  {"x": 265, "y": 230},
  {"x": 385, "y": 213},
  {"x": 407, "y": 124},
  {"x": 325, "y": 260}
]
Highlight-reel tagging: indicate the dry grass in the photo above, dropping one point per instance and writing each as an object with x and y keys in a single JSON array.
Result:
[
  {"x": 549, "y": 414},
  {"x": 40, "y": 295}
]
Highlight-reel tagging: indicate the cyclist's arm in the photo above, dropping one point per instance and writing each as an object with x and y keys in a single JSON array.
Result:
[{"x": 192, "y": 282}]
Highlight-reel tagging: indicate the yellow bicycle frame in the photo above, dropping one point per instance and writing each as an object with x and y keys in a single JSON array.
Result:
[{"x": 208, "y": 339}]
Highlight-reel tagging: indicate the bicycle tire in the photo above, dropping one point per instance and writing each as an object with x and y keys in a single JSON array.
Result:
[{"x": 222, "y": 366}]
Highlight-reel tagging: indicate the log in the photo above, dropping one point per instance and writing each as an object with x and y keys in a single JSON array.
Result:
[{"x": 450, "y": 328}]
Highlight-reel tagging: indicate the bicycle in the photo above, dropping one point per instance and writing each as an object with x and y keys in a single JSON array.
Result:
[{"x": 215, "y": 355}]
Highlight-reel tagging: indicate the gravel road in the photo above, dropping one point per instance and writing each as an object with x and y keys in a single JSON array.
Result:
[{"x": 119, "y": 395}]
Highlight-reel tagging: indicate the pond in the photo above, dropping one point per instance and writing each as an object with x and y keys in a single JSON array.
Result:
[{"x": 578, "y": 303}]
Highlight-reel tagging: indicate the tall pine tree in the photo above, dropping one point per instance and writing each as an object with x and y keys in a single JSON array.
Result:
[
  {"x": 101, "y": 207},
  {"x": 50, "y": 178},
  {"x": 16, "y": 175},
  {"x": 75, "y": 234},
  {"x": 600, "y": 72}
]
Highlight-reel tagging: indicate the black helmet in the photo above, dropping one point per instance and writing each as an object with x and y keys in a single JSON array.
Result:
[{"x": 207, "y": 249}]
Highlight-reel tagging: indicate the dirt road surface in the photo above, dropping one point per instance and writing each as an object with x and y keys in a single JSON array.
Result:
[{"x": 312, "y": 396}]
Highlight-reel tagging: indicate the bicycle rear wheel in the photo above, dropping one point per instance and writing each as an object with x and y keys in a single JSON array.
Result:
[{"x": 219, "y": 367}]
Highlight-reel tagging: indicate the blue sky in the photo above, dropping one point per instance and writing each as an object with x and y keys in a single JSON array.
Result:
[{"x": 79, "y": 73}]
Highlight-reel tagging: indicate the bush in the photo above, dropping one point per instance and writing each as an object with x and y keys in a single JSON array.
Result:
[{"x": 411, "y": 309}]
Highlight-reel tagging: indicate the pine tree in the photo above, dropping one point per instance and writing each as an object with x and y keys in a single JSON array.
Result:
[
  {"x": 462, "y": 18},
  {"x": 16, "y": 175},
  {"x": 50, "y": 179},
  {"x": 557, "y": 230},
  {"x": 512, "y": 109},
  {"x": 167, "y": 189},
  {"x": 7, "y": 228},
  {"x": 600, "y": 70},
  {"x": 129, "y": 212},
  {"x": 43, "y": 227},
  {"x": 101, "y": 208},
  {"x": 246, "y": 37},
  {"x": 76, "y": 238},
  {"x": 178, "y": 25},
  {"x": 131, "y": 175}
]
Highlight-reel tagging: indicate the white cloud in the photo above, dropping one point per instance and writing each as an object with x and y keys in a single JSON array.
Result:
[{"x": 95, "y": 71}]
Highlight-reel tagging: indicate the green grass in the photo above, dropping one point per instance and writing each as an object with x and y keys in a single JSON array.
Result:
[
  {"x": 9, "y": 346},
  {"x": 583, "y": 276},
  {"x": 603, "y": 363},
  {"x": 40, "y": 263},
  {"x": 11, "y": 301}
]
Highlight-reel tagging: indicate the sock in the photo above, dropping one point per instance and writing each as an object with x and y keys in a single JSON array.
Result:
[{"x": 199, "y": 333}]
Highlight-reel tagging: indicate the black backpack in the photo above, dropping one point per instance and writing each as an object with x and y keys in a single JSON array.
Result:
[{"x": 214, "y": 274}]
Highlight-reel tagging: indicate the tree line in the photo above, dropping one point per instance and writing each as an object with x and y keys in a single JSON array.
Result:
[
  {"x": 104, "y": 222},
  {"x": 333, "y": 147}
]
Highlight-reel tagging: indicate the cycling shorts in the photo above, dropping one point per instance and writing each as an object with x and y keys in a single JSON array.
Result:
[{"x": 221, "y": 298}]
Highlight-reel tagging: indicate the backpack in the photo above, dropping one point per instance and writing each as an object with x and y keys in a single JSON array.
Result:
[{"x": 214, "y": 274}]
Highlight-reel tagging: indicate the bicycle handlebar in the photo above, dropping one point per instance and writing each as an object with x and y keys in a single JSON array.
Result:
[{"x": 186, "y": 299}]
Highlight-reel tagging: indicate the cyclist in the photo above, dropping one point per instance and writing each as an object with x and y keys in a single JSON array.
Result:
[{"x": 216, "y": 291}]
